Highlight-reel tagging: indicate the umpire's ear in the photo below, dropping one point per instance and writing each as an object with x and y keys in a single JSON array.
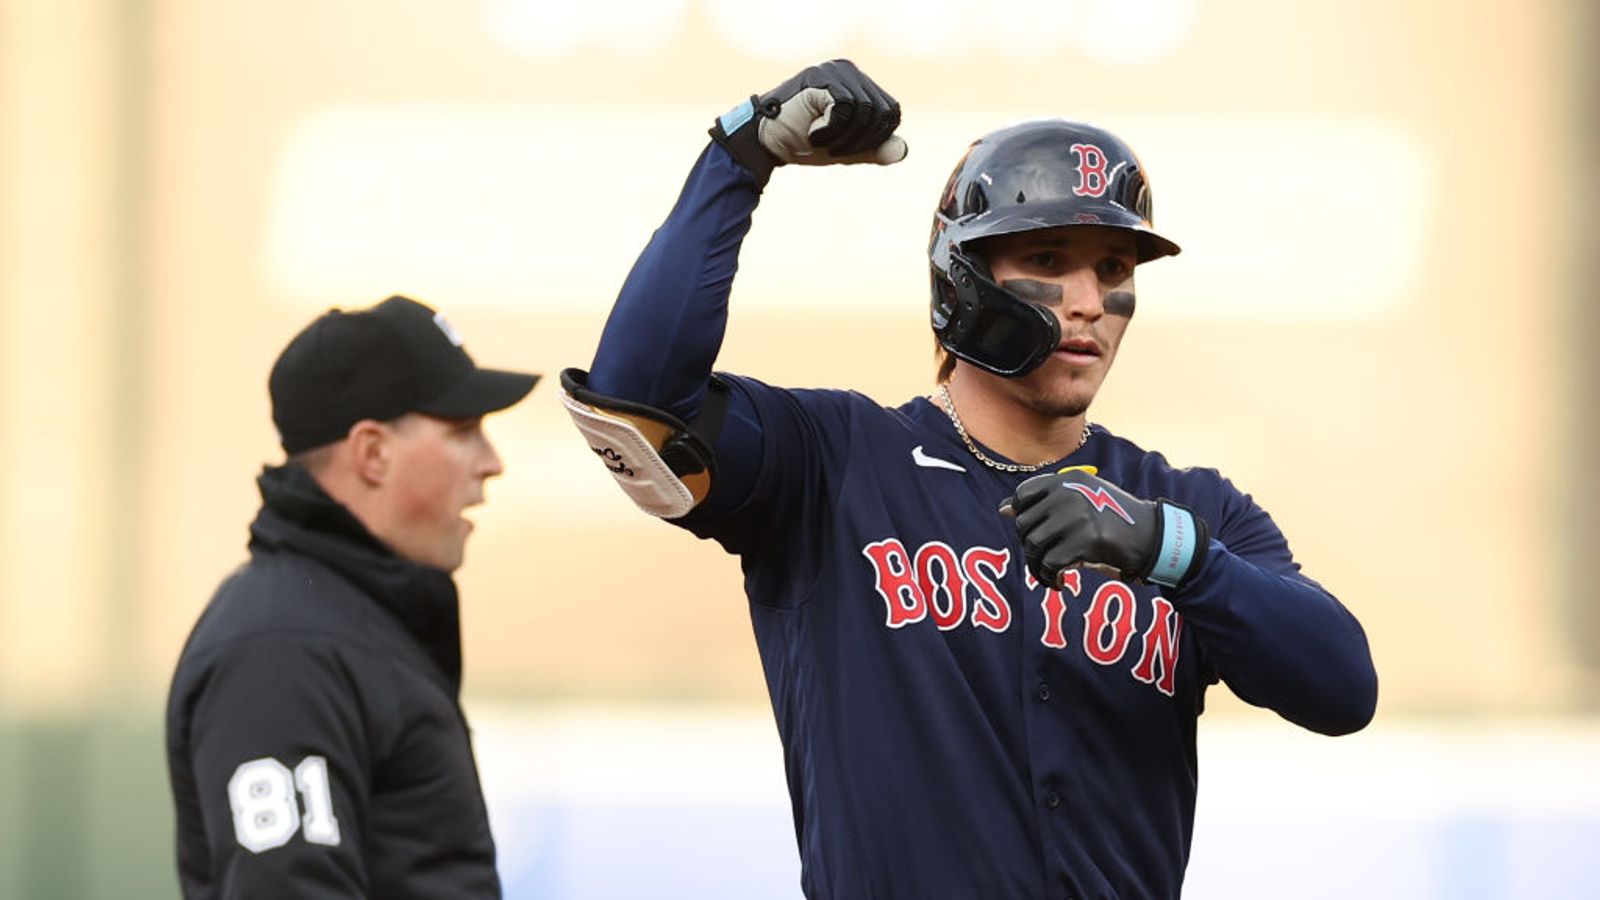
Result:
[{"x": 367, "y": 450}]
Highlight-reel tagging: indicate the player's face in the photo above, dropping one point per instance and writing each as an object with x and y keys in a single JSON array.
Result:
[
  {"x": 1084, "y": 274},
  {"x": 437, "y": 468}
]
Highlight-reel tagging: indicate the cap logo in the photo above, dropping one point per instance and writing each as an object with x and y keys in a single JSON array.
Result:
[
  {"x": 449, "y": 330},
  {"x": 1092, "y": 181}
]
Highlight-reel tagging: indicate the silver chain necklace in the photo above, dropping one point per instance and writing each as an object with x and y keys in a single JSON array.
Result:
[{"x": 950, "y": 410}]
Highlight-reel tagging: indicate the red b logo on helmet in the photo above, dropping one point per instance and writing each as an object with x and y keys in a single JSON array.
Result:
[{"x": 1091, "y": 171}]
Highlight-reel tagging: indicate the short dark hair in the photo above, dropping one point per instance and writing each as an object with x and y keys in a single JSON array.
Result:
[
  {"x": 946, "y": 361},
  {"x": 313, "y": 460}
]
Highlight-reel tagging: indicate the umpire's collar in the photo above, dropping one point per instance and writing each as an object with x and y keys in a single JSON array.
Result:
[{"x": 297, "y": 516}]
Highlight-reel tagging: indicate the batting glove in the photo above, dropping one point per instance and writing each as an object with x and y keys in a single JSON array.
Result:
[
  {"x": 829, "y": 113},
  {"x": 1073, "y": 518}
]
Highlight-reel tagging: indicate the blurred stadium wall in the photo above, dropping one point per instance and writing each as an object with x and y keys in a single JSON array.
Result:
[{"x": 1388, "y": 214}]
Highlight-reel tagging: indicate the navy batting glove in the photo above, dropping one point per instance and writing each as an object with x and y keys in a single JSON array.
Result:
[
  {"x": 829, "y": 113},
  {"x": 1073, "y": 518}
]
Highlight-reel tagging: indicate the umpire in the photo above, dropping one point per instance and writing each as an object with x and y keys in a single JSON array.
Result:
[{"x": 315, "y": 740}]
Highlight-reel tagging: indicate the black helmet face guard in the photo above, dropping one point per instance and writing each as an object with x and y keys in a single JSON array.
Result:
[{"x": 987, "y": 325}]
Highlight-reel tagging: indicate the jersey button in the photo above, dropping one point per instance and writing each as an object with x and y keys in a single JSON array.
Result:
[
  {"x": 1044, "y": 692},
  {"x": 1052, "y": 799}
]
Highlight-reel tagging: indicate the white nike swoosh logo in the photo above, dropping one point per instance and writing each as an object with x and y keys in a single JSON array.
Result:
[{"x": 932, "y": 462}]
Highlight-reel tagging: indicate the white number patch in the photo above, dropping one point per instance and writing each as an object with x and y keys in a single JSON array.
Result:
[{"x": 265, "y": 815}]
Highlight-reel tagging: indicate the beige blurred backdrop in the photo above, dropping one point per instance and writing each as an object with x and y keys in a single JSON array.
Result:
[{"x": 1380, "y": 325}]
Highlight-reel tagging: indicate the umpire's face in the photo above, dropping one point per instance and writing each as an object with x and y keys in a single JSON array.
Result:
[
  {"x": 1084, "y": 274},
  {"x": 435, "y": 470}
]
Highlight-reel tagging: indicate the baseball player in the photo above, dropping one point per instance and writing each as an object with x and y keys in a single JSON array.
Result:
[
  {"x": 315, "y": 739},
  {"x": 986, "y": 624}
]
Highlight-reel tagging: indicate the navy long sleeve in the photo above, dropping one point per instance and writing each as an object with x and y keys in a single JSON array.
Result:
[
  {"x": 664, "y": 332},
  {"x": 1277, "y": 638}
]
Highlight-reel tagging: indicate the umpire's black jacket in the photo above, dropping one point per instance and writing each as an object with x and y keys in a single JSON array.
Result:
[{"x": 314, "y": 738}]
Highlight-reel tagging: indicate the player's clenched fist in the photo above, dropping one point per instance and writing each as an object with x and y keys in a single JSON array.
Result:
[
  {"x": 828, "y": 113},
  {"x": 1072, "y": 518}
]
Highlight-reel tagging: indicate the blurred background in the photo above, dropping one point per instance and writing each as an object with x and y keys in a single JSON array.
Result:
[{"x": 1382, "y": 321}]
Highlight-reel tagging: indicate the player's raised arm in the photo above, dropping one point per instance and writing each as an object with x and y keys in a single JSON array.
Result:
[{"x": 643, "y": 405}]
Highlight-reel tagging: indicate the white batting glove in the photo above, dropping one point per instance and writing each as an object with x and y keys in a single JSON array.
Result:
[{"x": 830, "y": 113}]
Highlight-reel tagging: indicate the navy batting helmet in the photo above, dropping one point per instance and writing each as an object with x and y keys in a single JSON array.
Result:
[{"x": 1041, "y": 174}]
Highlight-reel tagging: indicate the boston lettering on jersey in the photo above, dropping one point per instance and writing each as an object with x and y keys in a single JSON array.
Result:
[{"x": 949, "y": 588}]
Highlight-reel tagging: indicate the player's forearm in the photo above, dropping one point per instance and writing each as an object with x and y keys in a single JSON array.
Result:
[
  {"x": 1283, "y": 643},
  {"x": 662, "y": 338}
]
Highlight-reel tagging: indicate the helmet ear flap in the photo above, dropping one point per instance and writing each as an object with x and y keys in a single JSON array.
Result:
[
  {"x": 987, "y": 325},
  {"x": 972, "y": 255}
]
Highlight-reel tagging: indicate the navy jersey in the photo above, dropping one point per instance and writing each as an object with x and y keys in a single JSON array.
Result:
[{"x": 952, "y": 729}]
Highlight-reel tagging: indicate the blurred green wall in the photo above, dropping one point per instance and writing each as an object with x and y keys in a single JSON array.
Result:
[{"x": 84, "y": 809}]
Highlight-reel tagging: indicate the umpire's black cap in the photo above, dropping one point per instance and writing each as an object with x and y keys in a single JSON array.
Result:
[{"x": 397, "y": 357}]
